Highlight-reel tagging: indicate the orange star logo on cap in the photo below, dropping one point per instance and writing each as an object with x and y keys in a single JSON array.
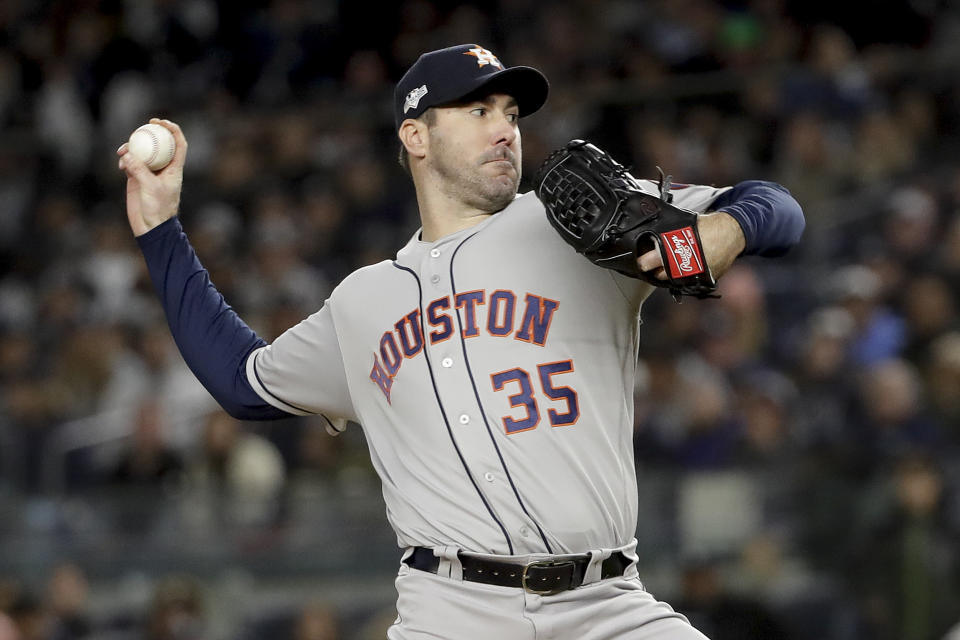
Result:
[{"x": 483, "y": 56}]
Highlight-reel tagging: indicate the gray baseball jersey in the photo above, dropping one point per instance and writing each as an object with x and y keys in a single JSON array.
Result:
[{"x": 492, "y": 372}]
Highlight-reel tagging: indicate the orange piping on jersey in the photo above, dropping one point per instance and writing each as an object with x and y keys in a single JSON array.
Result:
[
  {"x": 412, "y": 319},
  {"x": 508, "y": 319},
  {"x": 463, "y": 299},
  {"x": 530, "y": 316},
  {"x": 503, "y": 419},
  {"x": 434, "y": 320},
  {"x": 553, "y": 413},
  {"x": 381, "y": 378},
  {"x": 394, "y": 365}
]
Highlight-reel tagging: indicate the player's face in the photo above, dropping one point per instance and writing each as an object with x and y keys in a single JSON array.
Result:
[{"x": 474, "y": 148}]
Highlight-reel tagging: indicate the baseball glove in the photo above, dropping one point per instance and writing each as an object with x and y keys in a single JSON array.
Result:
[{"x": 602, "y": 212}]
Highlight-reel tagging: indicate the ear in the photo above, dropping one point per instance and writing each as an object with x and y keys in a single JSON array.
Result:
[{"x": 413, "y": 134}]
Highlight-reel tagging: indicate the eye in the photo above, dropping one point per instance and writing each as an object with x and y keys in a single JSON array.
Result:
[
  {"x": 479, "y": 111},
  {"x": 513, "y": 117}
]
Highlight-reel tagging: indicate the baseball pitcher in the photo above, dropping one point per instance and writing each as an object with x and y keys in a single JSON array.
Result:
[{"x": 491, "y": 364}]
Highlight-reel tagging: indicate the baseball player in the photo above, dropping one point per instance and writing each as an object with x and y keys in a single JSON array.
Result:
[{"x": 490, "y": 366}]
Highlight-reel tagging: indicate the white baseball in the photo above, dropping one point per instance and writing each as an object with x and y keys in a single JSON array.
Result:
[{"x": 152, "y": 144}]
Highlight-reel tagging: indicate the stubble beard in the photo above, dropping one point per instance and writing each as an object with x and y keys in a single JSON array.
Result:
[{"x": 465, "y": 179}]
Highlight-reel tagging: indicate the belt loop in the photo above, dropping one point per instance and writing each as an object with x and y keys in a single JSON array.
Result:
[
  {"x": 630, "y": 551},
  {"x": 593, "y": 572},
  {"x": 450, "y": 566},
  {"x": 404, "y": 566}
]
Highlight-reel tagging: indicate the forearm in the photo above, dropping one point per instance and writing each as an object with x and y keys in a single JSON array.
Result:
[
  {"x": 723, "y": 240},
  {"x": 771, "y": 219},
  {"x": 212, "y": 338}
]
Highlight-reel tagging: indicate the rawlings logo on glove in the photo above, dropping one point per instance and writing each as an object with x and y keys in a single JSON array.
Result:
[
  {"x": 684, "y": 259},
  {"x": 602, "y": 212}
]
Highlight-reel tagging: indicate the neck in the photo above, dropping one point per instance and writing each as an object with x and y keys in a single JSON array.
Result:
[{"x": 441, "y": 214}]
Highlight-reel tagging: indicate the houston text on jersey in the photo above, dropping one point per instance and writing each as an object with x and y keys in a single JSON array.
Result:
[{"x": 501, "y": 320}]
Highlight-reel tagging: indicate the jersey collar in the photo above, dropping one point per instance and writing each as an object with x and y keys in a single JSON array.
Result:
[{"x": 416, "y": 249}]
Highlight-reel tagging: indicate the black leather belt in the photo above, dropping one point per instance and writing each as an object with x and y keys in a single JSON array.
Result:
[{"x": 543, "y": 577}]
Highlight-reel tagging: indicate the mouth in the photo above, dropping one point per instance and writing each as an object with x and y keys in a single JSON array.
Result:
[
  {"x": 501, "y": 164},
  {"x": 501, "y": 155}
]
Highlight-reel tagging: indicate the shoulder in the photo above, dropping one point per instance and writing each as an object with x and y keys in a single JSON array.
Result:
[
  {"x": 693, "y": 197},
  {"x": 361, "y": 278},
  {"x": 526, "y": 202},
  {"x": 526, "y": 208},
  {"x": 528, "y": 198}
]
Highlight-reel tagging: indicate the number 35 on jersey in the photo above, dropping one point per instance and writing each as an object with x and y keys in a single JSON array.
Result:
[{"x": 501, "y": 314}]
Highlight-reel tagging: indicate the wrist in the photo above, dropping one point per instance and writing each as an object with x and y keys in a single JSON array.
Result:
[
  {"x": 723, "y": 240},
  {"x": 159, "y": 232}
]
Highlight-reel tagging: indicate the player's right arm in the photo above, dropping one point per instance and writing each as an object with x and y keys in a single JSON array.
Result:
[{"x": 213, "y": 339}]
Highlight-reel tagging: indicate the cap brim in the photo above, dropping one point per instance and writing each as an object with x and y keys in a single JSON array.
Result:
[{"x": 528, "y": 87}]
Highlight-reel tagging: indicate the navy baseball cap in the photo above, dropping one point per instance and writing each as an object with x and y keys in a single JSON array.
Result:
[{"x": 448, "y": 75}]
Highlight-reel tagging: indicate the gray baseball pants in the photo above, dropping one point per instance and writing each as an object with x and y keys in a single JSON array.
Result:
[{"x": 438, "y": 607}]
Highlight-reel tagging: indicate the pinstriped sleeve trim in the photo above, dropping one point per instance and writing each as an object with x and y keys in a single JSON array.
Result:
[
  {"x": 302, "y": 370},
  {"x": 335, "y": 426},
  {"x": 253, "y": 377}
]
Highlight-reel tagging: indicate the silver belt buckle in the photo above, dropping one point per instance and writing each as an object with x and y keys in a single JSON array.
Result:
[{"x": 545, "y": 589}]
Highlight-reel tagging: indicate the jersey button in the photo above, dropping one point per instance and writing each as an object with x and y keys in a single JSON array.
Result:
[
  {"x": 446, "y": 363},
  {"x": 434, "y": 278},
  {"x": 524, "y": 531},
  {"x": 488, "y": 476},
  {"x": 464, "y": 419},
  {"x": 434, "y": 253}
]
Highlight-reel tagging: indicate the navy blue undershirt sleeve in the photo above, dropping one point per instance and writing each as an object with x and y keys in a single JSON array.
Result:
[
  {"x": 771, "y": 219},
  {"x": 212, "y": 338}
]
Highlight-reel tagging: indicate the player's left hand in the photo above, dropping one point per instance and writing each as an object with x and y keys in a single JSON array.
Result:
[{"x": 722, "y": 240}]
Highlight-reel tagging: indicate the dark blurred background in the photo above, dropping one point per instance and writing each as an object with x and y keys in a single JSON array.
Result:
[{"x": 797, "y": 440}]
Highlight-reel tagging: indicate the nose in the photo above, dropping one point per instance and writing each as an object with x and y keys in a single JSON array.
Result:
[{"x": 504, "y": 131}]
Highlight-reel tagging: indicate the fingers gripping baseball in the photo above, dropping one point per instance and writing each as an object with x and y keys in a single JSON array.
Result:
[{"x": 153, "y": 197}]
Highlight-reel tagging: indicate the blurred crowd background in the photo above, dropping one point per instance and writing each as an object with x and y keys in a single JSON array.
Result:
[{"x": 797, "y": 440}]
